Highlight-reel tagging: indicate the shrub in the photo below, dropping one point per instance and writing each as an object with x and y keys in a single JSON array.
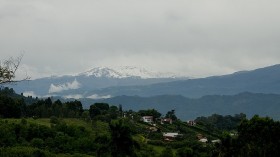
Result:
[
  {"x": 156, "y": 142},
  {"x": 24, "y": 152},
  {"x": 23, "y": 121},
  {"x": 37, "y": 142},
  {"x": 54, "y": 120}
]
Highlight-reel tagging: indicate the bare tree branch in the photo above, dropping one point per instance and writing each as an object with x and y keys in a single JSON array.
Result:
[{"x": 8, "y": 69}]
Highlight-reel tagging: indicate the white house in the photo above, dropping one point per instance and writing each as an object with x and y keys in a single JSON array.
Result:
[
  {"x": 170, "y": 136},
  {"x": 216, "y": 141},
  {"x": 203, "y": 140},
  {"x": 147, "y": 119}
]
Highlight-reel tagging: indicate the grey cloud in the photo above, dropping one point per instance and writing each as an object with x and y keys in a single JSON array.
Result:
[{"x": 197, "y": 38}]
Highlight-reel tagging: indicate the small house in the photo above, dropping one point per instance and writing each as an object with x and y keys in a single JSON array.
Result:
[
  {"x": 216, "y": 141},
  {"x": 147, "y": 119},
  {"x": 166, "y": 121},
  {"x": 203, "y": 140},
  {"x": 191, "y": 123},
  {"x": 170, "y": 136}
]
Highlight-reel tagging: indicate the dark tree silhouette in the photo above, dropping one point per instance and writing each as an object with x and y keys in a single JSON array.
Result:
[{"x": 121, "y": 144}]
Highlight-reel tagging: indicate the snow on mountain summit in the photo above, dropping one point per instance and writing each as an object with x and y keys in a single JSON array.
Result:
[{"x": 125, "y": 72}]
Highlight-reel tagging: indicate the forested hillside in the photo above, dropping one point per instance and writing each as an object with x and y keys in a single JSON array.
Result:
[
  {"x": 53, "y": 128},
  {"x": 189, "y": 108}
]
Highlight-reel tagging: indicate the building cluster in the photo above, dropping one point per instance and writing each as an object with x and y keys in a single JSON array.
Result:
[
  {"x": 150, "y": 120},
  {"x": 171, "y": 136}
]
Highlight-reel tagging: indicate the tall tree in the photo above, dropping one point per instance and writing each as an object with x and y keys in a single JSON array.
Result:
[
  {"x": 259, "y": 137},
  {"x": 150, "y": 112},
  {"x": 120, "y": 110},
  {"x": 122, "y": 144},
  {"x": 171, "y": 114}
]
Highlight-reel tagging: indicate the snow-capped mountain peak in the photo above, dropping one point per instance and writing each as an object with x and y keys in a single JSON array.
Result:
[{"x": 125, "y": 72}]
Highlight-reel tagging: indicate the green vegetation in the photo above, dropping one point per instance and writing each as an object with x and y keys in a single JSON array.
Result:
[
  {"x": 256, "y": 137},
  {"x": 218, "y": 122},
  {"x": 52, "y": 128}
]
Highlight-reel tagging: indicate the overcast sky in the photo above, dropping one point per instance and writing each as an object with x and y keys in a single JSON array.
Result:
[{"x": 196, "y": 38}]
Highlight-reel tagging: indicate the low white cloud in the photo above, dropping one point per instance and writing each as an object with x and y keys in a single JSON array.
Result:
[
  {"x": 29, "y": 93},
  {"x": 47, "y": 96},
  {"x": 34, "y": 95},
  {"x": 66, "y": 86},
  {"x": 96, "y": 96},
  {"x": 74, "y": 96}
]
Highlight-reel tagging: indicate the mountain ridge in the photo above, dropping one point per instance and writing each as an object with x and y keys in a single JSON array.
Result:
[
  {"x": 79, "y": 85},
  {"x": 190, "y": 108},
  {"x": 125, "y": 72},
  {"x": 262, "y": 80}
]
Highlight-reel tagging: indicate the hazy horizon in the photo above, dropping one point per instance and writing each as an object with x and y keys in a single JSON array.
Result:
[{"x": 150, "y": 70}]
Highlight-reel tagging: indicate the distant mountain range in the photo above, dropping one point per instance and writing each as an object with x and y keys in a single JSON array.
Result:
[
  {"x": 263, "y": 80},
  {"x": 80, "y": 85},
  {"x": 136, "y": 89},
  {"x": 107, "y": 82},
  {"x": 126, "y": 72}
]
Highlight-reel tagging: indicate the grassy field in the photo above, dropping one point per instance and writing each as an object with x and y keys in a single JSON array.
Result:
[
  {"x": 97, "y": 127},
  {"x": 46, "y": 122},
  {"x": 41, "y": 121},
  {"x": 159, "y": 149}
]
